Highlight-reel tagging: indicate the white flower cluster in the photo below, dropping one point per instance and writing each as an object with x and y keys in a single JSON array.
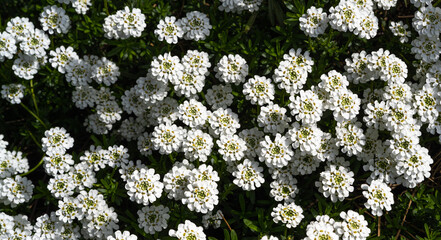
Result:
[
  {"x": 188, "y": 230},
  {"x": 194, "y": 26},
  {"x": 238, "y": 6},
  {"x": 124, "y": 24},
  {"x": 349, "y": 15},
  {"x": 32, "y": 43},
  {"x": 54, "y": 20},
  {"x": 352, "y": 226},
  {"x": 427, "y": 23},
  {"x": 80, "y": 6},
  {"x": 194, "y": 187},
  {"x": 13, "y": 92}
]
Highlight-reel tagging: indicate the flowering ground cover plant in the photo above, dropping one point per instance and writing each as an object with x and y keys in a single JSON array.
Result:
[{"x": 225, "y": 119}]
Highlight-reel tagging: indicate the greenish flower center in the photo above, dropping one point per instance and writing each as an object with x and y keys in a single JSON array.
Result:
[
  {"x": 260, "y": 88},
  {"x": 308, "y": 106},
  {"x": 53, "y": 19},
  {"x": 413, "y": 159},
  {"x": 276, "y": 150},
  {"x": 191, "y": 236},
  {"x": 379, "y": 195},
  {"x": 60, "y": 185},
  {"x": 346, "y": 101},
  {"x": 144, "y": 185},
  {"x": 248, "y": 174},
  {"x": 429, "y": 101},
  {"x": 170, "y": 29},
  {"x": 285, "y": 190},
  {"x": 152, "y": 218},
  {"x": 290, "y": 213},
  {"x": 34, "y": 41}
]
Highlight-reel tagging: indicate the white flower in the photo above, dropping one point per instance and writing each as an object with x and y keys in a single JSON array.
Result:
[
  {"x": 307, "y": 137},
  {"x": 328, "y": 149},
  {"x": 15, "y": 190},
  {"x": 7, "y": 46},
  {"x": 289, "y": 214},
  {"x": 427, "y": 21},
  {"x": 68, "y": 209},
  {"x": 144, "y": 186},
  {"x": 273, "y": 119},
  {"x": 213, "y": 219},
  {"x": 395, "y": 70},
  {"x": 25, "y": 66},
  {"x": 399, "y": 29},
  {"x": 427, "y": 102},
  {"x": 400, "y": 115},
  {"x": 231, "y": 69},
  {"x": 357, "y": 67},
  {"x": 151, "y": 90},
  {"x": 219, "y": 96},
  {"x": 414, "y": 167},
  {"x": 132, "y": 103},
  {"x": 78, "y": 72},
  {"x": 259, "y": 90},
  {"x": 153, "y": 219},
  {"x": 192, "y": 113},
  {"x": 201, "y": 196},
  {"x": 426, "y": 49},
  {"x": 333, "y": 81},
  {"x": 82, "y": 176},
  {"x": 231, "y": 147},
  {"x": 374, "y": 114},
  {"x": 61, "y": 186},
  {"x": 196, "y": 26},
  {"x": 53, "y": 19},
  {"x": 166, "y": 68},
  {"x": 354, "y": 226},
  {"x": 167, "y": 138},
  {"x": 90, "y": 203},
  {"x": 345, "y": 16},
  {"x": 35, "y": 43},
  {"x": 95, "y": 157},
  {"x": 126, "y": 235},
  {"x": 47, "y": 227},
  {"x": 196, "y": 62},
  {"x": 275, "y": 153},
  {"x": 188, "y": 84},
  {"x": 102, "y": 224},
  {"x": 344, "y": 104},
  {"x": 224, "y": 122},
  {"x": 303, "y": 163},
  {"x": 61, "y": 57},
  {"x": 197, "y": 145},
  {"x": 105, "y": 71},
  {"x": 176, "y": 181},
  {"x": 189, "y": 230},
  {"x": 165, "y": 111},
  {"x": 368, "y": 25},
  {"x": 94, "y": 125},
  {"x": 396, "y": 93},
  {"x": 237, "y": 6},
  {"x": 58, "y": 163},
  {"x": 19, "y": 27},
  {"x": 306, "y": 107},
  {"x": 124, "y": 24},
  {"x": 131, "y": 128},
  {"x": 248, "y": 175},
  {"x": 386, "y": 4},
  {"x": 145, "y": 144},
  {"x": 336, "y": 183},
  {"x": 351, "y": 138},
  {"x": 109, "y": 112},
  {"x": 169, "y": 30},
  {"x": 81, "y": 6},
  {"x": 266, "y": 237},
  {"x": 252, "y": 139},
  {"x": 314, "y": 22},
  {"x": 284, "y": 189},
  {"x": 379, "y": 196},
  {"x": 56, "y": 140},
  {"x": 13, "y": 92},
  {"x": 322, "y": 228}
]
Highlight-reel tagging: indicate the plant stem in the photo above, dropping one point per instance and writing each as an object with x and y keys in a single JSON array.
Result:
[
  {"x": 33, "y": 114},
  {"x": 34, "y": 168},
  {"x": 34, "y": 99},
  {"x": 33, "y": 138}
]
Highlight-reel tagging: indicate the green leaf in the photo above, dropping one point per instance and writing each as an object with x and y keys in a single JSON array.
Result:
[
  {"x": 251, "y": 225},
  {"x": 233, "y": 235},
  {"x": 242, "y": 203},
  {"x": 226, "y": 234}
]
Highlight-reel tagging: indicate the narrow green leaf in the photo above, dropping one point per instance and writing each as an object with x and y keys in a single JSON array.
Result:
[{"x": 251, "y": 225}]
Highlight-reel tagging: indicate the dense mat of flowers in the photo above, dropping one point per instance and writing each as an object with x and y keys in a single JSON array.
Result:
[{"x": 170, "y": 110}]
